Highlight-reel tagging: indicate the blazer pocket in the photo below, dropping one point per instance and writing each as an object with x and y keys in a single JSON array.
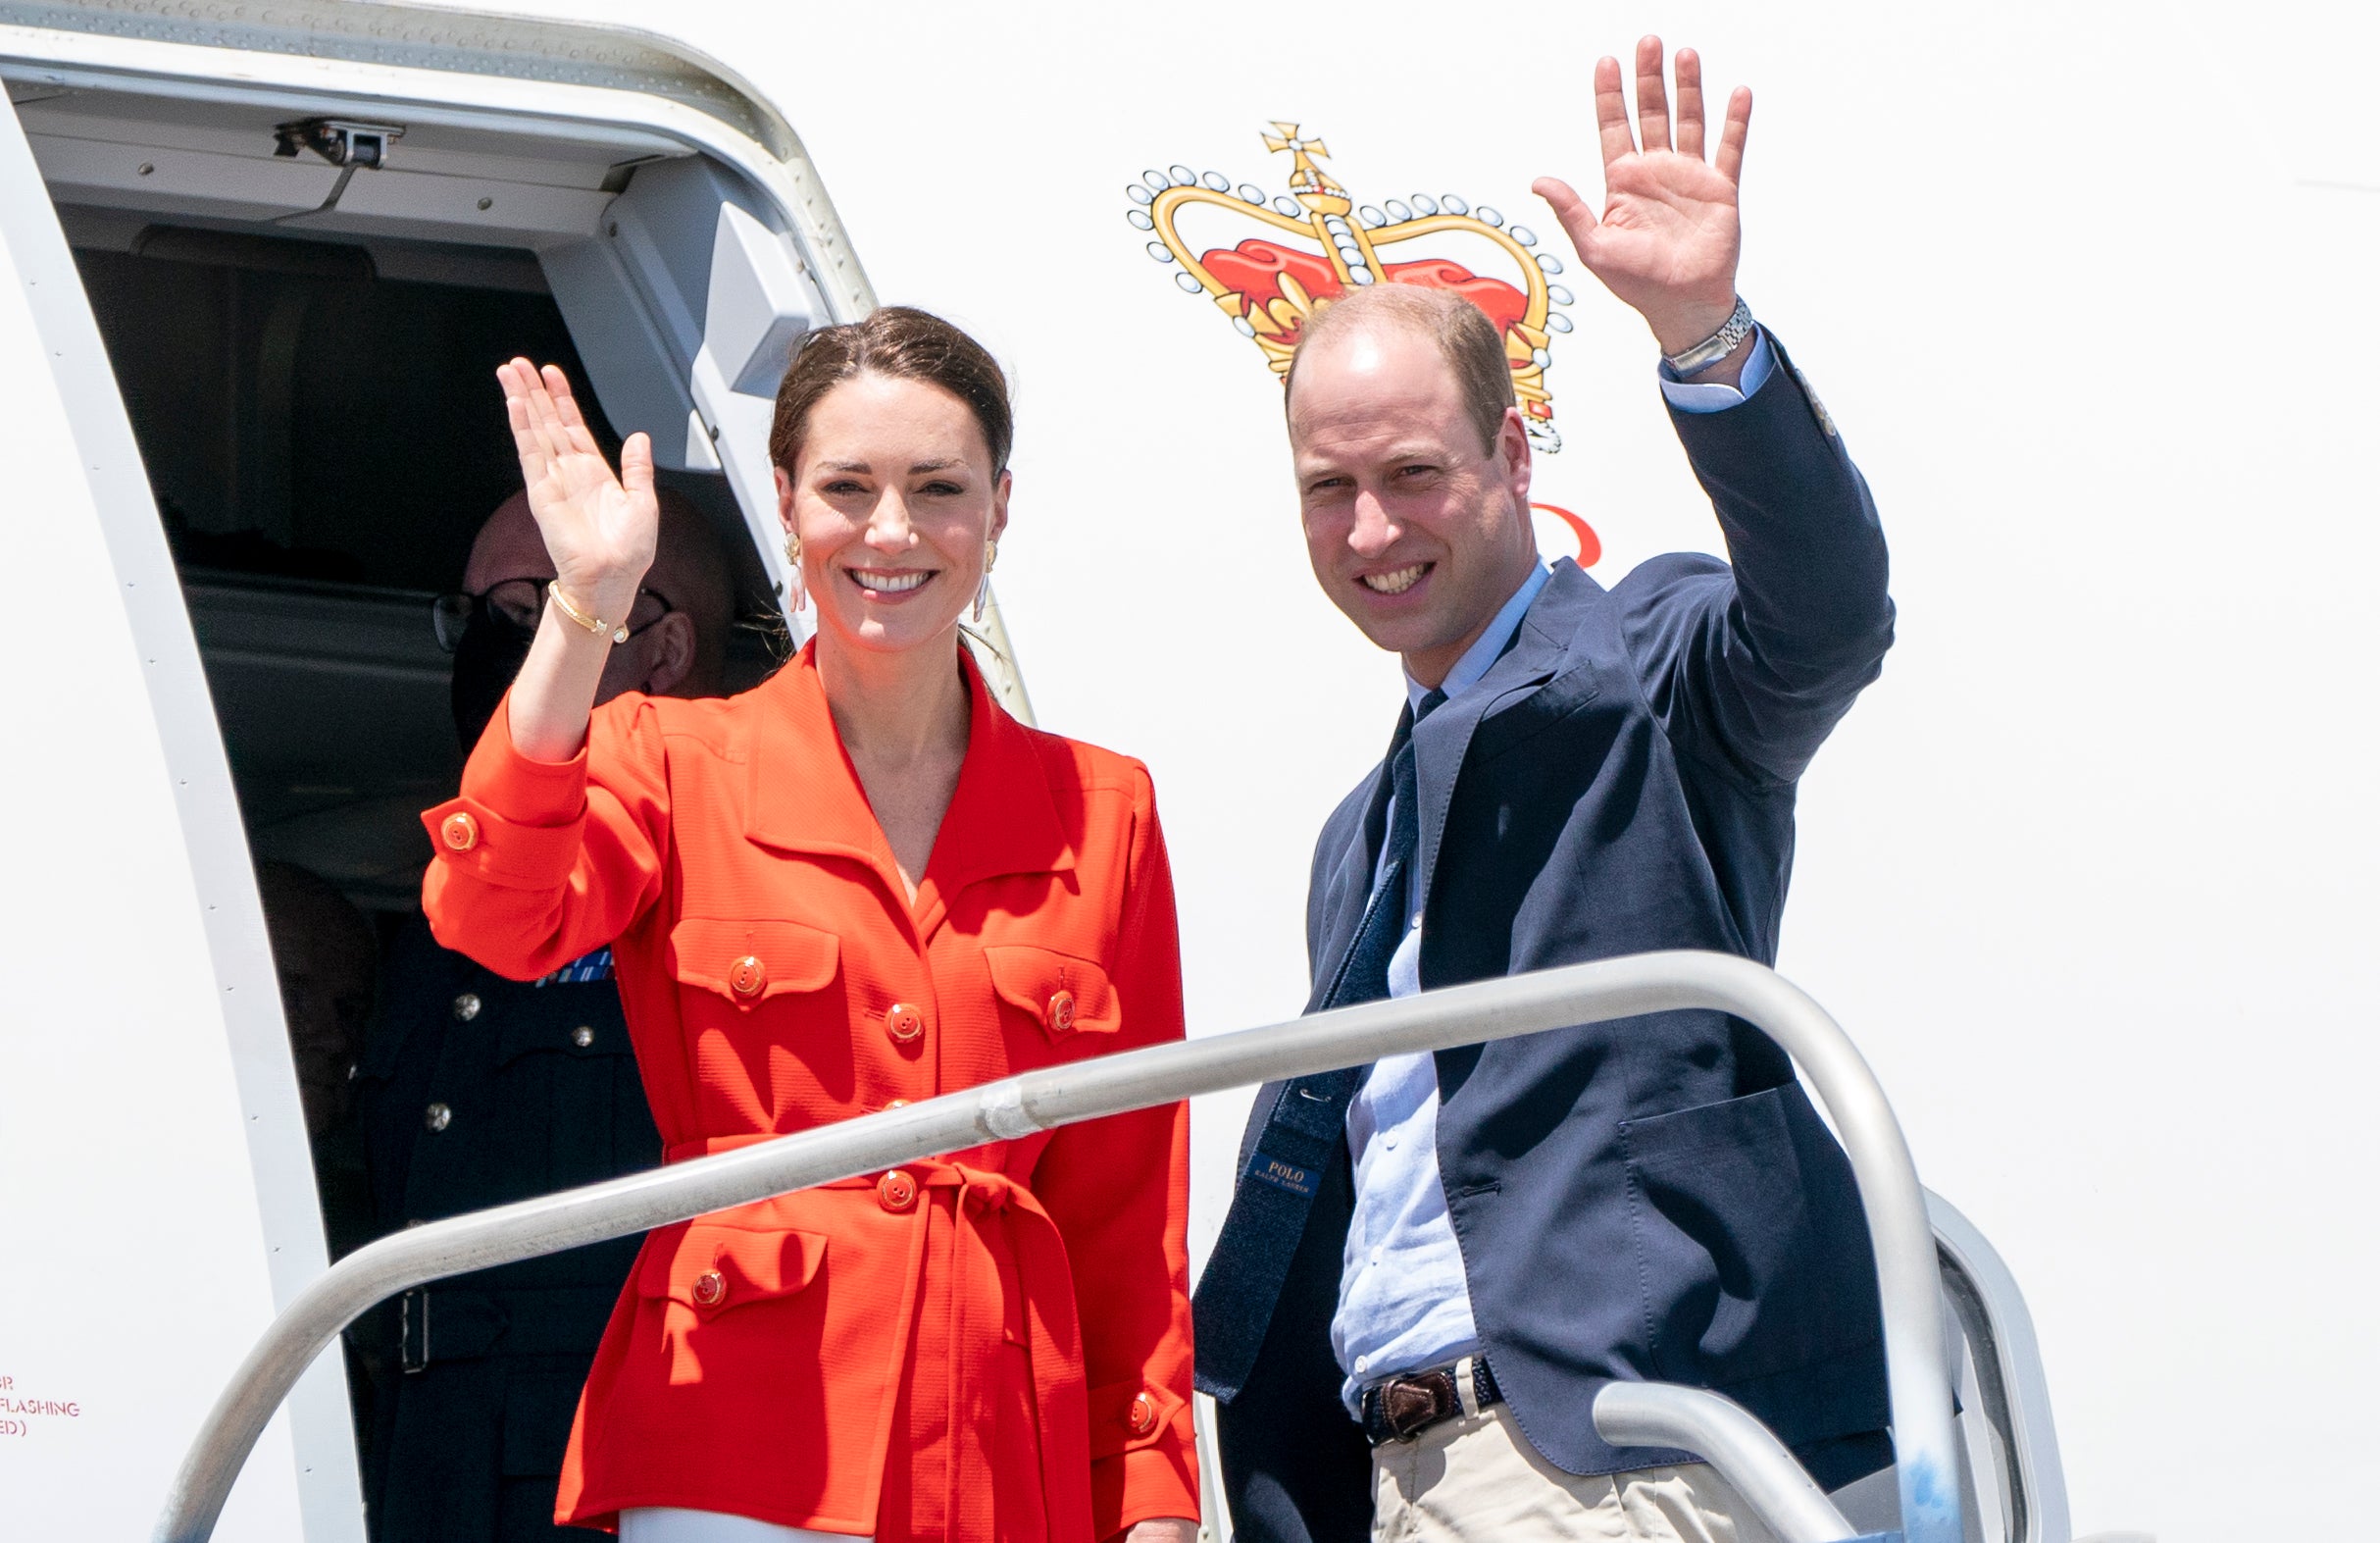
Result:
[
  {"x": 710, "y": 1269},
  {"x": 1756, "y": 1255},
  {"x": 1066, "y": 996},
  {"x": 750, "y": 961}
]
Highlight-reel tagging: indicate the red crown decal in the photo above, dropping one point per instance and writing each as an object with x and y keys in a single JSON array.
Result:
[{"x": 1269, "y": 285}]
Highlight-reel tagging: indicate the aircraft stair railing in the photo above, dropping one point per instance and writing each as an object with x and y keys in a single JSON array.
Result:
[
  {"x": 1995, "y": 1369},
  {"x": 1909, "y": 1281}
]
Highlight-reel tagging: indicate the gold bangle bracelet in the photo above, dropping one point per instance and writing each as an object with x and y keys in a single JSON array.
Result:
[{"x": 580, "y": 618}]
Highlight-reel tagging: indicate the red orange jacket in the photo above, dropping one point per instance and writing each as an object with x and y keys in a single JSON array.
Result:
[{"x": 992, "y": 1345}]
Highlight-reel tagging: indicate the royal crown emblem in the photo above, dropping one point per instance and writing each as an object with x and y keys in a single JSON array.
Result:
[{"x": 1271, "y": 284}]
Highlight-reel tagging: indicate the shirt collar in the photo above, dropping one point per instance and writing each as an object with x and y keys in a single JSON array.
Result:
[{"x": 1490, "y": 644}]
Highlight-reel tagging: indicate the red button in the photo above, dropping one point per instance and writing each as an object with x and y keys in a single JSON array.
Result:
[
  {"x": 1143, "y": 1418},
  {"x": 459, "y": 830},
  {"x": 710, "y": 1287},
  {"x": 747, "y": 976},
  {"x": 905, "y": 1022},
  {"x": 896, "y": 1191},
  {"x": 1062, "y": 1012}
]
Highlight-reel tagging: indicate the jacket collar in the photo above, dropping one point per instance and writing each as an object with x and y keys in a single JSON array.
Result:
[{"x": 805, "y": 796}]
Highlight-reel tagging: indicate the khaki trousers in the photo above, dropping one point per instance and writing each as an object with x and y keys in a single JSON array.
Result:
[{"x": 1476, "y": 1478}]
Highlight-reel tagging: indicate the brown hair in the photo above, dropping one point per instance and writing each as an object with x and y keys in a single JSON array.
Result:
[
  {"x": 906, "y": 345},
  {"x": 1464, "y": 335}
]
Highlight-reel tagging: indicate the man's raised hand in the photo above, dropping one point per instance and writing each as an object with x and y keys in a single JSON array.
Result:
[
  {"x": 599, "y": 529},
  {"x": 1668, "y": 238}
]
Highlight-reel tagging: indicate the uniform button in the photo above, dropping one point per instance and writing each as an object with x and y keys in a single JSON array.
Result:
[
  {"x": 905, "y": 1022},
  {"x": 747, "y": 976},
  {"x": 583, "y": 1036},
  {"x": 1062, "y": 1012},
  {"x": 466, "y": 1006},
  {"x": 710, "y": 1288},
  {"x": 897, "y": 1103},
  {"x": 459, "y": 830},
  {"x": 1143, "y": 1415},
  {"x": 896, "y": 1191},
  {"x": 437, "y": 1116}
]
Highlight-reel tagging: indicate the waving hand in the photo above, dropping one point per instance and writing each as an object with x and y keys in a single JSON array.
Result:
[
  {"x": 599, "y": 529},
  {"x": 1668, "y": 238}
]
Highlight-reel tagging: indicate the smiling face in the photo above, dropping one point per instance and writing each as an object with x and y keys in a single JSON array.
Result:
[
  {"x": 895, "y": 501},
  {"x": 1416, "y": 529}
]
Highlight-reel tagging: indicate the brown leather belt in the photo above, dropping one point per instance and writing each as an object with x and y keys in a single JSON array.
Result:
[{"x": 1401, "y": 1408}]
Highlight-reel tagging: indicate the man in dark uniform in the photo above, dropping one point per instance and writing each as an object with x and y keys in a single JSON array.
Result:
[{"x": 476, "y": 1091}]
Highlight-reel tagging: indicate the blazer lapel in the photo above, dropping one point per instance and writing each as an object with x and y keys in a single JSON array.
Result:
[
  {"x": 803, "y": 794},
  {"x": 1442, "y": 739},
  {"x": 1003, "y": 818}
]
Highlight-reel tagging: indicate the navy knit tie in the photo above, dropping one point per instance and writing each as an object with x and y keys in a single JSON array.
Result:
[{"x": 1234, "y": 1306}]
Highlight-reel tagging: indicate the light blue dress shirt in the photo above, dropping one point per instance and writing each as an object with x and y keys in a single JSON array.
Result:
[{"x": 1404, "y": 1303}]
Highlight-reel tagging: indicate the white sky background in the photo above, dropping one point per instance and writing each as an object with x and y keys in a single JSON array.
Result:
[{"x": 2087, "y": 873}]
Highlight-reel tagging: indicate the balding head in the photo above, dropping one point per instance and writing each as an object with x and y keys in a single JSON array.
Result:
[
  {"x": 1461, "y": 333},
  {"x": 683, "y": 654}
]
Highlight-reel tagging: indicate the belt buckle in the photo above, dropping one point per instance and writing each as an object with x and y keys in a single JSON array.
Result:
[
  {"x": 1411, "y": 1404},
  {"x": 413, "y": 1330}
]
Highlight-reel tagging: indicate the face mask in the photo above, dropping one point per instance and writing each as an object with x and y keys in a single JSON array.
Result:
[{"x": 487, "y": 657}]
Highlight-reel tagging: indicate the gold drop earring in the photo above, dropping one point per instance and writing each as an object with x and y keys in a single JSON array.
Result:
[
  {"x": 983, "y": 588},
  {"x": 798, "y": 591}
]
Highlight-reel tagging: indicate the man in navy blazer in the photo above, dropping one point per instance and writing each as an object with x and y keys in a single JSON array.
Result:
[{"x": 1432, "y": 1265}]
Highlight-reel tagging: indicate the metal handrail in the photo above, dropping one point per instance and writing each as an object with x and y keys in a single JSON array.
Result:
[
  {"x": 1917, "y": 1375},
  {"x": 2011, "y": 1392},
  {"x": 1724, "y": 1434}
]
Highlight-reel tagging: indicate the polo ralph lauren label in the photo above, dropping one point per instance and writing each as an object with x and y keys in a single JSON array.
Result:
[{"x": 1290, "y": 1176}]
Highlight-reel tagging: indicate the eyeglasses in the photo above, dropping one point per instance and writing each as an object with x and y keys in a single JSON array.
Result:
[{"x": 517, "y": 603}]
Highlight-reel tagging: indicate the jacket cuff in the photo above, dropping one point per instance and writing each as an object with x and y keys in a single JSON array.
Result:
[
  {"x": 519, "y": 822},
  {"x": 1145, "y": 1484}
]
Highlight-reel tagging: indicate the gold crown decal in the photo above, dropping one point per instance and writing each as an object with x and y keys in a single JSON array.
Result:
[{"x": 1269, "y": 285}]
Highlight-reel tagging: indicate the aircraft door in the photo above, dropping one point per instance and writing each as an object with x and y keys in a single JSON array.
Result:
[
  {"x": 157, "y": 1199},
  {"x": 688, "y": 270}
]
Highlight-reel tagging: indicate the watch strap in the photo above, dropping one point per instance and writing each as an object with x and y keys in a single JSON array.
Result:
[{"x": 1718, "y": 346}]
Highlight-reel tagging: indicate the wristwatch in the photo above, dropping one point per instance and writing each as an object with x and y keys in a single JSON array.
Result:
[{"x": 1717, "y": 347}]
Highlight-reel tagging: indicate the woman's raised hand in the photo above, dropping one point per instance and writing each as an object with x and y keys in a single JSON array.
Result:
[{"x": 599, "y": 529}]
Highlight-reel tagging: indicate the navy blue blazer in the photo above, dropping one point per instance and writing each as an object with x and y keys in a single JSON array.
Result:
[{"x": 1653, "y": 1198}]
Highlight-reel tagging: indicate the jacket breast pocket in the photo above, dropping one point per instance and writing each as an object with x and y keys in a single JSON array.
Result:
[
  {"x": 1065, "y": 995},
  {"x": 1509, "y": 728},
  {"x": 750, "y": 962},
  {"x": 1757, "y": 1256},
  {"x": 564, "y": 1076}
]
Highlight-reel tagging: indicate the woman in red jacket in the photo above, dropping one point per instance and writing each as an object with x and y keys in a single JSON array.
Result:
[{"x": 859, "y": 885}]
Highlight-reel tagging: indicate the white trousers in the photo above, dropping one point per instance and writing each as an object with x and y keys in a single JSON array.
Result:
[
  {"x": 1475, "y": 1478},
  {"x": 670, "y": 1524}
]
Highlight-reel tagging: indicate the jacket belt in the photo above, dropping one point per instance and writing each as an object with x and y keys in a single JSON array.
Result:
[
  {"x": 435, "y": 1324},
  {"x": 986, "y": 1200}
]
